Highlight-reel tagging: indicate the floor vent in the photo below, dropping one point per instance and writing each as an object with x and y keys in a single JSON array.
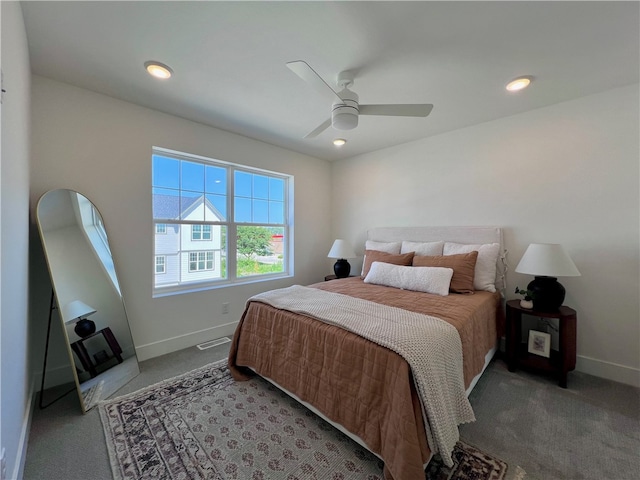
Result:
[{"x": 213, "y": 343}]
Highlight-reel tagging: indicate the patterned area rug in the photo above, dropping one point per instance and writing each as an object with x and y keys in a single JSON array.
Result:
[
  {"x": 204, "y": 425},
  {"x": 91, "y": 396}
]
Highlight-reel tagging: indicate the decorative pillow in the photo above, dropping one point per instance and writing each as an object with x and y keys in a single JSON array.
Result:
[
  {"x": 388, "y": 247},
  {"x": 484, "y": 277},
  {"x": 371, "y": 256},
  {"x": 463, "y": 265},
  {"x": 422, "y": 248},
  {"x": 434, "y": 280}
]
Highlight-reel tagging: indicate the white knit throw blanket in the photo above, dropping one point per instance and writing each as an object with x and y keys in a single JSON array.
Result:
[{"x": 431, "y": 346}]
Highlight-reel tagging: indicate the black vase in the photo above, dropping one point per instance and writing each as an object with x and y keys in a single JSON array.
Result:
[
  {"x": 84, "y": 327},
  {"x": 341, "y": 268}
]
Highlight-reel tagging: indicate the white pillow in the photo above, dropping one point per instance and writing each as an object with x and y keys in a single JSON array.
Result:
[
  {"x": 485, "y": 275},
  {"x": 422, "y": 248},
  {"x": 434, "y": 280},
  {"x": 388, "y": 247}
]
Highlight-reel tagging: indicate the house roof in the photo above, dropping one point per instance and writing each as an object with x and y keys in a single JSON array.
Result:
[{"x": 175, "y": 207}]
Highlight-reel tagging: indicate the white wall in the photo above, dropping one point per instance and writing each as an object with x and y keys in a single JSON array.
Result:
[
  {"x": 15, "y": 390},
  {"x": 565, "y": 174},
  {"x": 101, "y": 147}
]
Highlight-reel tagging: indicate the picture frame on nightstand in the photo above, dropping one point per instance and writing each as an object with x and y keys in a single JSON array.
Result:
[{"x": 539, "y": 343}]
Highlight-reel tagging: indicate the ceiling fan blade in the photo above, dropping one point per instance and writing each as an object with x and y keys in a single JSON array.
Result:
[
  {"x": 321, "y": 128},
  {"x": 399, "y": 110},
  {"x": 309, "y": 75}
]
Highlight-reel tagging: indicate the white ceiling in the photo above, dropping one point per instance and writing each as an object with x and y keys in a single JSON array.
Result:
[{"x": 229, "y": 60}]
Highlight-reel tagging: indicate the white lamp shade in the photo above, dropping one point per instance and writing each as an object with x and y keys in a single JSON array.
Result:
[
  {"x": 547, "y": 259},
  {"x": 341, "y": 249},
  {"x": 76, "y": 309}
]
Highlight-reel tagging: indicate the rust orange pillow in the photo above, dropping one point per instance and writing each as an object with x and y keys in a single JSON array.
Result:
[
  {"x": 463, "y": 264},
  {"x": 371, "y": 256}
]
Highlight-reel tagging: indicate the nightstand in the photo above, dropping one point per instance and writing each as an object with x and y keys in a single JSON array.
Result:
[
  {"x": 333, "y": 277},
  {"x": 560, "y": 361},
  {"x": 82, "y": 353}
]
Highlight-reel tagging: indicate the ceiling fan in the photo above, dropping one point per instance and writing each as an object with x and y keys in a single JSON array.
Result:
[{"x": 345, "y": 109}]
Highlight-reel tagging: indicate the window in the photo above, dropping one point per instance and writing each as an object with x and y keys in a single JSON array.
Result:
[
  {"x": 93, "y": 228},
  {"x": 201, "y": 232},
  {"x": 200, "y": 261},
  {"x": 218, "y": 223},
  {"x": 161, "y": 262},
  {"x": 99, "y": 226}
]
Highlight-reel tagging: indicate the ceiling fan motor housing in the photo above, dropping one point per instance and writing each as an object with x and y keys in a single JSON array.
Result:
[{"x": 344, "y": 116}]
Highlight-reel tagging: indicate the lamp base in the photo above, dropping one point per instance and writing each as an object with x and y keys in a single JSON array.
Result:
[
  {"x": 341, "y": 268},
  {"x": 84, "y": 327},
  {"x": 548, "y": 293}
]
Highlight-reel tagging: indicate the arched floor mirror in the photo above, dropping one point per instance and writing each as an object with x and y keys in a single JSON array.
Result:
[{"x": 87, "y": 294}]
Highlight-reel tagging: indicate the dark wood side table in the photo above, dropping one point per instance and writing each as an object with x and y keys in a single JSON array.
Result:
[
  {"x": 333, "y": 277},
  {"x": 561, "y": 361},
  {"x": 81, "y": 351}
]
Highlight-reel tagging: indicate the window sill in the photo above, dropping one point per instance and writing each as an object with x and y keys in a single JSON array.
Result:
[{"x": 169, "y": 291}]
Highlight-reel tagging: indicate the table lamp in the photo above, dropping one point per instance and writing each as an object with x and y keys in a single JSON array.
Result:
[
  {"x": 546, "y": 261},
  {"x": 341, "y": 250},
  {"x": 77, "y": 310}
]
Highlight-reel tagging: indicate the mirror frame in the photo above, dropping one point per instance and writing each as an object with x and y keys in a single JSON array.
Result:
[{"x": 130, "y": 368}]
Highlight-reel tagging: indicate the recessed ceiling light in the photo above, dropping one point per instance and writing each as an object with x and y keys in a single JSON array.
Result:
[
  {"x": 519, "y": 83},
  {"x": 338, "y": 142},
  {"x": 158, "y": 70}
]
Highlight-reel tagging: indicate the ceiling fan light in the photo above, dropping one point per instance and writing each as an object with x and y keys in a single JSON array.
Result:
[
  {"x": 345, "y": 121},
  {"x": 344, "y": 118},
  {"x": 518, "y": 84},
  {"x": 158, "y": 70}
]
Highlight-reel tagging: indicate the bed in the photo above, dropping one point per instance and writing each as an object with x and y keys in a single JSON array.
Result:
[{"x": 316, "y": 343}]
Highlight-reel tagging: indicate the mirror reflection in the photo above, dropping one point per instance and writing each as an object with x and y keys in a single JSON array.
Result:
[{"x": 87, "y": 294}]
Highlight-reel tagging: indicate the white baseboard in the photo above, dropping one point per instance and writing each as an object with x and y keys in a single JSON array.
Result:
[
  {"x": 21, "y": 454},
  {"x": 62, "y": 374},
  {"x": 600, "y": 368},
  {"x": 169, "y": 345},
  {"x": 592, "y": 366},
  {"x": 608, "y": 370},
  {"x": 59, "y": 375}
]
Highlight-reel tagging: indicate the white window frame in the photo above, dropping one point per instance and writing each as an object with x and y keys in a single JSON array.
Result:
[
  {"x": 231, "y": 227},
  {"x": 93, "y": 228},
  {"x": 99, "y": 226}
]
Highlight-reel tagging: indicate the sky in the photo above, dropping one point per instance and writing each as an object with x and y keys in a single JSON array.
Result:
[{"x": 257, "y": 198}]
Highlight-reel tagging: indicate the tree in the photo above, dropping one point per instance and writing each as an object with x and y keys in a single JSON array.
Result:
[{"x": 253, "y": 241}]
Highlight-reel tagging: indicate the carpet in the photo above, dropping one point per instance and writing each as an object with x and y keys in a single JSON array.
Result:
[
  {"x": 205, "y": 425},
  {"x": 91, "y": 396}
]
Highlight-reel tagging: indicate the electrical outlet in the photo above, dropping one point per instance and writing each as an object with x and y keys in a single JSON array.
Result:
[
  {"x": 225, "y": 307},
  {"x": 3, "y": 465}
]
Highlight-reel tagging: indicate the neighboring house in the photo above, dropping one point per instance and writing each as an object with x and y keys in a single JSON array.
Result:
[
  {"x": 277, "y": 244},
  {"x": 186, "y": 252}
]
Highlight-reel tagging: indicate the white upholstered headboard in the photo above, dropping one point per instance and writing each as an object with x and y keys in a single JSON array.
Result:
[{"x": 468, "y": 235}]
